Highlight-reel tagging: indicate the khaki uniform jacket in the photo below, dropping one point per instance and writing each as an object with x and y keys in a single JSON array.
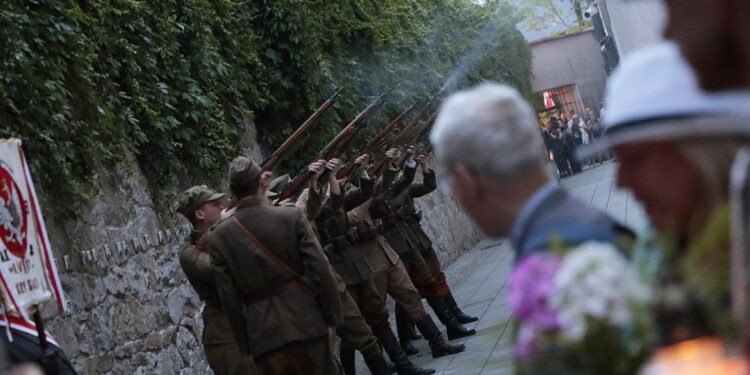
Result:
[
  {"x": 405, "y": 202},
  {"x": 377, "y": 252},
  {"x": 244, "y": 270},
  {"x": 332, "y": 222},
  {"x": 202, "y": 276}
]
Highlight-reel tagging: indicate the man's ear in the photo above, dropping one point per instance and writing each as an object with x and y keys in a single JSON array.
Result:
[
  {"x": 199, "y": 215},
  {"x": 467, "y": 181}
]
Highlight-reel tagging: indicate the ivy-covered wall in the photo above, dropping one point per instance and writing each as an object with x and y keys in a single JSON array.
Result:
[{"x": 85, "y": 82}]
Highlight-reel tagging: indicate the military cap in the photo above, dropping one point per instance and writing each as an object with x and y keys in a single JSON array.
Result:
[
  {"x": 277, "y": 185},
  {"x": 243, "y": 171},
  {"x": 194, "y": 198}
]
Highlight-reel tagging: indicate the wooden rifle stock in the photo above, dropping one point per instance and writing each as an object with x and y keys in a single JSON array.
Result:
[
  {"x": 378, "y": 166},
  {"x": 428, "y": 125},
  {"x": 286, "y": 147},
  {"x": 349, "y": 167},
  {"x": 335, "y": 146}
]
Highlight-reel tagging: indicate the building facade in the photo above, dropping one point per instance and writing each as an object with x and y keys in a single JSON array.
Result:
[{"x": 569, "y": 73}]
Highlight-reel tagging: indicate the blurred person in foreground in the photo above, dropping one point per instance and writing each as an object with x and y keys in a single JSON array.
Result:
[
  {"x": 512, "y": 195},
  {"x": 714, "y": 36},
  {"x": 572, "y": 289},
  {"x": 676, "y": 145}
]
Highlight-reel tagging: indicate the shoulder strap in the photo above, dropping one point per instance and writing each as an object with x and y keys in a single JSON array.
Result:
[{"x": 275, "y": 258}]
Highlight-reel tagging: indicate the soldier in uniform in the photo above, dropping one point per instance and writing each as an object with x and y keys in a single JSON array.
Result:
[
  {"x": 202, "y": 207},
  {"x": 354, "y": 332},
  {"x": 274, "y": 281},
  {"x": 346, "y": 257},
  {"x": 390, "y": 278},
  {"x": 397, "y": 217},
  {"x": 432, "y": 283}
]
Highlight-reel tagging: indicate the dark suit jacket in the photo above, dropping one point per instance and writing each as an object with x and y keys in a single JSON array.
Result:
[{"x": 561, "y": 219}]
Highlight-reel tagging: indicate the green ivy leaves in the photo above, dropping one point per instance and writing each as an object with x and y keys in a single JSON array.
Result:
[{"x": 82, "y": 82}]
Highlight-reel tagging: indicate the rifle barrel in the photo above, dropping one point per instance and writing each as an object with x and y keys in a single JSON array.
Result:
[
  {"x": 286, "y": 147},
  {"x": 335, "y": 146},
  {"x": 428, "y": 125},
  {"x": 376, "y": 141}
]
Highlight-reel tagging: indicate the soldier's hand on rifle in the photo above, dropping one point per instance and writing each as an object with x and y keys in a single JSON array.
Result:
[
  {"x": 362, "y": 160},
  {"x": 391, "y": 153},
  {"x": 317, "y": 168},
  {"x": 333, "y": 164},
  {"x": 410, "y": 153},
  {"x": 421, "y": 159}
]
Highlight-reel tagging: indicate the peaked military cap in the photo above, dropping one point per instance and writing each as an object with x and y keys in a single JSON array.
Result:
[{"x": 194, "y": 198}]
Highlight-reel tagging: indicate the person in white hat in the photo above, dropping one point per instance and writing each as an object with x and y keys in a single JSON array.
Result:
[
  {"x": 675, "y": 145},
  {"x": 715, "y": 37}
]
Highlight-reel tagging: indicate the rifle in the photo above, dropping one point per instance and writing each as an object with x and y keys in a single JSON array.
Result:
[
  {"x": 286, "y": 147},
  {"x": 426, "y": 150},
  {"x": 428, "y": 125},
  {"x": 378, "y": 167},
  {"x": 377, "y": 141},
  {"x": 335, "y": 146}
]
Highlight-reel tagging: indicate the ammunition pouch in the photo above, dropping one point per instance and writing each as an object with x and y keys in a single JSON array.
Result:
[
  {"x": 366, "y": 235},
  {"x": 410, "y": 217},
  {"x": 391, "y": 220},
  {"x": 370, "y": 233}
]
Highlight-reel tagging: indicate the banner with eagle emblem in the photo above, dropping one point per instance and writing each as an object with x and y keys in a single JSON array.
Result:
[{"x": 28, "y": 272}]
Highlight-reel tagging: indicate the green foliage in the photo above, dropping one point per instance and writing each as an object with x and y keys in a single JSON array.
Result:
[
  {"x": 85, "y": 82},
  {"x": 542, "y": 14}
]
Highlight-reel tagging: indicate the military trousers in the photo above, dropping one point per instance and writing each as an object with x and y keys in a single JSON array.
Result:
[
  {"x": 228, "y": 359},
  {"x": 312, "y": 357},
  {"x": 367, "y": 299},
  {"x": 355, "y": 332},
  {"x": 439, "y": 288},
  {"x": 395, "y": 281},
  {"x": 421, "y": 274}
]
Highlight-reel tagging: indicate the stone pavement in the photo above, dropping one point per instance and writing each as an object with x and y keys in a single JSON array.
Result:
[{"x": 480, "y": 277}]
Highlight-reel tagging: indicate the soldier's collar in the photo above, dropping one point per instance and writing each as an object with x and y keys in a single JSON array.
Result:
[
  {"x": 195, "y": 236},
  {"x": 251, "y": 201}
]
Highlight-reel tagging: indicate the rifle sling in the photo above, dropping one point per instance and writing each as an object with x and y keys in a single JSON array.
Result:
[{"x": 296, "y": 282}]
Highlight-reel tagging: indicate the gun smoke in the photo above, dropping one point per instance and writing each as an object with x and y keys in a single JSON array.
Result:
[{"x": 476, "y": 54}]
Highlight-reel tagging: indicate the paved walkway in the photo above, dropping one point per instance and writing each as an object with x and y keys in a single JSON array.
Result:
[{"x": 479, "y": 281}]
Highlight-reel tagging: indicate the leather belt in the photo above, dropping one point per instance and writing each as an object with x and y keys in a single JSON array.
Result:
[{"x": 272, "y": 292}]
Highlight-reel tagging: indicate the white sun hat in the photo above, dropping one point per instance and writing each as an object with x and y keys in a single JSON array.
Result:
[{"x": 654, "y": 95}]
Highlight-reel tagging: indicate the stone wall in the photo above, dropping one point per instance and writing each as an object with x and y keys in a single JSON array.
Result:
[
  {"x": 451, "y": 230},
  {"x": 131, "y": 309}
]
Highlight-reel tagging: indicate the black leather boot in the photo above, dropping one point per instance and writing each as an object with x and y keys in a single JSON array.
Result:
[
  {"x": 460, "y": 315},
  {"x": 412, "y": 333},
  {"x": 402, "y": 326},
  {"x": 346, "y": 356},
  {"x": 377, "y": 365},
  {"x": 390, "y": 344},
  {"x": 454, "y": 328},
  {"x": 437, "y": 343}
]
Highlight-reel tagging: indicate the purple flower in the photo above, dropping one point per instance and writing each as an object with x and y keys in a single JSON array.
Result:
[{"x": 530, "y": 284}]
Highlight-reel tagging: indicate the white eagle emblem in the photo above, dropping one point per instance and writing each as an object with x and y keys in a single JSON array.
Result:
[{"x": 11, "y": 215}]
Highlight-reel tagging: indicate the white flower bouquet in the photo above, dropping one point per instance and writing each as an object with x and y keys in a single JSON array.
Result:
[{"x": 585, "y": 312}]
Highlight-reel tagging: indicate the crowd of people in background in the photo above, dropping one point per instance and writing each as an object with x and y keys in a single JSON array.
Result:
[{"x": 564, "y": 134}]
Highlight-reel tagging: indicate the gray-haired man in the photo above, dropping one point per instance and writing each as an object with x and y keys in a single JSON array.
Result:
[{"x": 487, "y": 141}]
